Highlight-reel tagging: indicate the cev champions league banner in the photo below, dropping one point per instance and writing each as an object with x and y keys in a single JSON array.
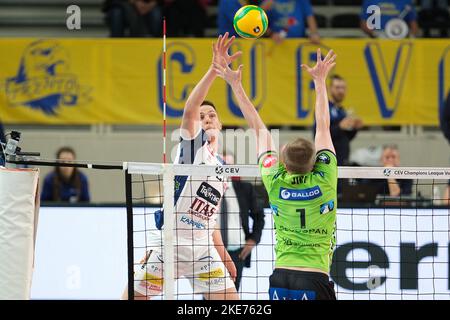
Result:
[{"x": 120, "y": 81}]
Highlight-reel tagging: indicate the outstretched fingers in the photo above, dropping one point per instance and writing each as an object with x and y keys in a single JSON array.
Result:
[
  {"x": 319, "y": 56},
  {"x": 235, "y": 56},
  {"x": 229, "y": 43},
  {"x": 328, "y": 56},
  {"x": 306, "y": 67},
  {"x": 223, "y": 41}
]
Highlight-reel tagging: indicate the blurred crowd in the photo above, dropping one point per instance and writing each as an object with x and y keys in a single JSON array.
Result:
[{"x": 287, "y": 18}]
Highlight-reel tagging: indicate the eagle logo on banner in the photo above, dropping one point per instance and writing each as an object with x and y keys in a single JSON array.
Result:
[{"x": 44, "y": 80}]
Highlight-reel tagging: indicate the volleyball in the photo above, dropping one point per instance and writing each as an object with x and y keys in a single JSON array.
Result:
[{"x": 250, "y": 22}]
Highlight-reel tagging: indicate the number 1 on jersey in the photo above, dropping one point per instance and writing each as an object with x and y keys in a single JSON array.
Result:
[{"x": 302, "y": 218}]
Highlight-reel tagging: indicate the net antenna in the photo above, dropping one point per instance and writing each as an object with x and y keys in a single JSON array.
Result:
[
  {"x": 168, "y": 234},
  {"x": 164, "y": 91}
]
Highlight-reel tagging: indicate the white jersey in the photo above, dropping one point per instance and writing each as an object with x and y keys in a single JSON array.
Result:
[{"x": 197, "y": 198}]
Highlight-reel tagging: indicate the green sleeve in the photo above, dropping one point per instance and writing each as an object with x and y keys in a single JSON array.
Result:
[
  {"x": 326, "y": 166},
  {"x": 270, "y": 168}
]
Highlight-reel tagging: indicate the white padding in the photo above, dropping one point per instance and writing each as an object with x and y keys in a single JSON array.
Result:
[{"x": 19, "y": 205}]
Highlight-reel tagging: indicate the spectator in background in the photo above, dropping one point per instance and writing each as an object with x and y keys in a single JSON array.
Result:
[
  {"x": 444, "y": 120},
  {"x": 343, "y": 127},
  {"x": 226, "y": 11},
  {"x": 434, "y": 15},
  {"x": 239, "y": 204},
  {"x": 287, "y": 19},
  {"x": 65, "y": 184},
  {"x": 2, "y": 134},
  {"x": 141, "y": 18},
  {"x": 2, "y": 140},
  {"x": 391, "y": 187},
  {"x": 390, "y": 9},
  {"x": 186, "y": 18}
]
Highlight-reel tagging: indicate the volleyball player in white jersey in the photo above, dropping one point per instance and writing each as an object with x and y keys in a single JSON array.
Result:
[{"x": 199, "y": 251}]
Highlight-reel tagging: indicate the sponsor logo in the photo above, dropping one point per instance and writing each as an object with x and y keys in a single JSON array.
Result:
[
  {"x": 323, "y": 158},
  {"x": 154, "y": 280},
  {"x": 387, "y": 172},
  {"x": 228, "y": 170},
  {"x": 44, "y": 80},
  {"x": 301, "y": 194},
  {"x": 327, "y": 207},
  {"x": 303, "y": 231},
  {"x": 202, "y": 209},
  {"x": 287, "y": 294},
  {"x": 269, "y": 161},
  {"x": 208, "y": 193},
  {"x": 215, "y": 273},
  {"x": 192, "y": 222}
]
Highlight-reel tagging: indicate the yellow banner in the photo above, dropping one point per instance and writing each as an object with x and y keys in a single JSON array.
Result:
[{"x": 120, "y": 81}]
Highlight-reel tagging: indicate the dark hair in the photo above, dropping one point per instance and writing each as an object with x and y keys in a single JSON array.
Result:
[
  {"x": 336, "y": 77},
  {"x": 208, "y": 103},
  {"x": 298, "y": 156},
  {"x": 65, "y": 149},
  {"x": 58, "y": 180},
  {"x": 390, "y": 146}
]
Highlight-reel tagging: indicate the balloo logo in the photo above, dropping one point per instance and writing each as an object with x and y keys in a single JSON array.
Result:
[{"x": 285, "y": 194}]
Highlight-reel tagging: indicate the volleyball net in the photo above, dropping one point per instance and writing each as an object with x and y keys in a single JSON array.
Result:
[{"x": 387, "y": 246}]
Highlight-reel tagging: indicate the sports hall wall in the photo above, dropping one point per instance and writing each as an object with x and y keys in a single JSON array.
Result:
[
  {"x": 102, "y": 143},
  {"x": 95, "y": 85}
]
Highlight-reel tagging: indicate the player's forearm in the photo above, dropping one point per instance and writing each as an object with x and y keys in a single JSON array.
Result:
[
  {"x": 254, "y": 121},
  {"x": 220, "y": 247},
  {"x": 414, "y": 28},
  {"x": 312, "y": 24},
  {"x": 322, "y": 111},
  {"x": 394, "y": 188},
  {"x": 198, "y": 95}
]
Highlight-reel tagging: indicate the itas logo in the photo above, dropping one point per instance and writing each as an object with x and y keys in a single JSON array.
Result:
[
  {"x": 269, "y": 161},
  {"x": 208, "y": 193},
  {"x": 44, "y": 81},
  {"x": 300, "y": 195},
  {"x": 202, "y": 209}
]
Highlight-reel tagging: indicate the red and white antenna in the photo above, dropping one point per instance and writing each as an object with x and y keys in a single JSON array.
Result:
[{"x": 164, "y": 91}]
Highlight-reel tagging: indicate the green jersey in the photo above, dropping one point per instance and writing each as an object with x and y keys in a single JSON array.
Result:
[{"x": 304, "y": 210}]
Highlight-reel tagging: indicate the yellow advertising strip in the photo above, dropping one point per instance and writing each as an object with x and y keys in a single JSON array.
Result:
[{"x": 110, "y": 81}]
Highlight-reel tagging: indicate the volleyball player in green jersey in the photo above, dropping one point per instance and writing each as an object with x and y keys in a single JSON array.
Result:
[{"x": 301, "y": 184}]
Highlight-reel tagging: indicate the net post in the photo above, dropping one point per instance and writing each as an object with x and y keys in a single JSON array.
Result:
[
  {"x": 130, "y": 240},
  {"x": 168, "y": 232}
]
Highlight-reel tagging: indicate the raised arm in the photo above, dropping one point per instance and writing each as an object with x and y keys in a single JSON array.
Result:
[
  {"x": 190, "y": 123},
  {"x": 264, "y": 140},
  {"x": 319, "y": 74}
]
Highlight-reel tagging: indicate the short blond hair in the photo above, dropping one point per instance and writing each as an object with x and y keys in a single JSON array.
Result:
[{"x": 298, "y": 156}]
